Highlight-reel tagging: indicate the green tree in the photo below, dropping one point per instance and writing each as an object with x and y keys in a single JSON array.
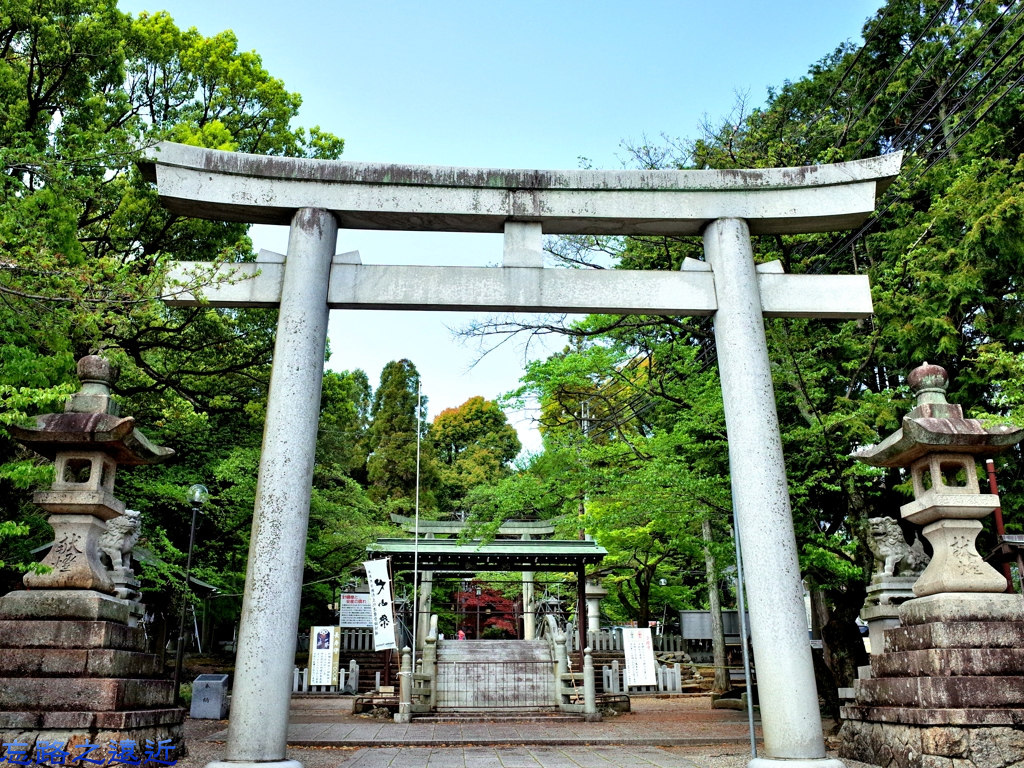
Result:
[
  {"x": 346, "y": 401},
  {"x": 941, "y": 82},
  {"x": 397, "y": 418},
  {"x": 474, "y": 444},
  {"x": 83, "y": 247}
]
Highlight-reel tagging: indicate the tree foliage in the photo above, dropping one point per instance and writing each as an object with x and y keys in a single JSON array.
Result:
[
  {"x": 474, "y": 444},
  {"x": 937, "y": 80}
]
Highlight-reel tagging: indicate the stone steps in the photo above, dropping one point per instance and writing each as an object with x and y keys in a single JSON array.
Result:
[
  {"x": 493, "y": 650},
  {"x": 484, "y": 715},
  {"x": 474, "y": 675}
]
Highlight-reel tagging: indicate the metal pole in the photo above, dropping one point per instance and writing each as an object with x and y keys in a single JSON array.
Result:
[
  {"x": 743, "y": 641},
  {"x": 581, "y": 606},
  {"x": 179, "y": 655},
  {"x": 416, "y": 531},
  {"x": 993, "y": 488}
]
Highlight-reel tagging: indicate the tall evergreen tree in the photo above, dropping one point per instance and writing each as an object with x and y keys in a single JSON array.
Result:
[{"x": 391, "y": 465}]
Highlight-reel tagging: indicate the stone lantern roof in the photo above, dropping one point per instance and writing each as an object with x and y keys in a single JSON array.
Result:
[
  {"x": 937, "y": 426},
  {"x": 91, "y": 421}
]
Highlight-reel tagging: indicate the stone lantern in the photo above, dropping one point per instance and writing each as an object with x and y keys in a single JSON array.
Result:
[
  {"x": 73, "y": 666},
  {"x": 938, "y": 445},
  {"x": 948, "y": 685}
]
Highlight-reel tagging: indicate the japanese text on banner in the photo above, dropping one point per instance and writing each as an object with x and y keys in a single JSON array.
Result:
[{"x": 381, "y": 599}]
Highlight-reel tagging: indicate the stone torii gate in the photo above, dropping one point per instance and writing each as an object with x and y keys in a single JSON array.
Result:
[{"x": 317, "y": 197}]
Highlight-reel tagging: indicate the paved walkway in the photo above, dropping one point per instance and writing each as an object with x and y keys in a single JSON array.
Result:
[
  {"x": 659, "y": 733},
  {"x": 683, "y": 721},
  {"x": 518, "y": 757}
]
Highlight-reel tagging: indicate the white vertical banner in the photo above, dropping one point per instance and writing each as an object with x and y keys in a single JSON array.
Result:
[
  {"x": 639, "y": 651},
  {"x": 381, "y": 599},
  {"x": 323, "y": 656}
]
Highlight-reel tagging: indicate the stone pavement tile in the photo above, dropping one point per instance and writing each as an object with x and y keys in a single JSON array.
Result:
[
  {"x": 645, "y": 756},
  {"x": 663, "y": 758},
  {"x": 339, "y": 732},
  {"x": 552, "y": 757},
  {"x": 393, "y": 733},
  {"x": 447, "y": 732},
  {"x": 372, "y": 758},
  {"x": 504, "y": 732},
  {"x": 587, "y": 757},
  {"x": 447, "y": 757},
  {"x": 516, "y": 757},
  {"x": 310, "y": 731},
  {"x": 412, "y": 757}
]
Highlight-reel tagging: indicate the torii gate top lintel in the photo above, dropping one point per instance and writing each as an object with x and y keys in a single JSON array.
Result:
[{"x": 259, "y": 189}]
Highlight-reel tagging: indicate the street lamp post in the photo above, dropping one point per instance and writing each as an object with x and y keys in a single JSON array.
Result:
[
  {"x": 197, "y": 496},
  {"x": 479, "y": 591}
]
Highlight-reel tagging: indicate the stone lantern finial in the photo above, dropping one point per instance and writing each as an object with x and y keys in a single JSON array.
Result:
[
  {"x": 929, "y": 383},
  {"x": 97, "y": 376}
]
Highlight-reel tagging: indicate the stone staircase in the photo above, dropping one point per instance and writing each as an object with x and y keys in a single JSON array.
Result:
[{"x": 481, "y": 675}]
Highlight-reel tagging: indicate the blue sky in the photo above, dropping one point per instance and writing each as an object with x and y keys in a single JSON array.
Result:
[{"x": 523, "y": 84}]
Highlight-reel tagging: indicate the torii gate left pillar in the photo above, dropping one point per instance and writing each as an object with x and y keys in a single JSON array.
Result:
[
  {"x": 277, "y": 549},
  {"x": 727, "y": 207}
]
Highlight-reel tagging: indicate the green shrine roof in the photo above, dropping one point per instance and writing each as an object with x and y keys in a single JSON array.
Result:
[
  {"x": 509, "y": 527},
  {"x": 497, "y": 555}
]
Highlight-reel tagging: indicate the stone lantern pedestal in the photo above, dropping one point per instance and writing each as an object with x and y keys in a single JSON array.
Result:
[
  {"x": 73, "y": 664},
  {"x": 947, "y": 690}
]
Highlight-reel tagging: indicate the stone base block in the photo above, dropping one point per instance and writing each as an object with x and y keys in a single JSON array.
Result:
[
  {"x": 890, "y": 590},
  {"x": 71, "y": 634},
  {"x": 962, "y": 606},
  {"x": 795, "y": 762},
  {"x": 254, "y": 764},
  {"x": 95, "y": 694},
  {"x": 945, "y": 662},
  {"x": 942, "y": 692},
  {"x": 161, "y": 740},
  {"x": 960, "y": 634},
  {"x": 103, "y": 721},
  {"x": 891, "y": 745},
  {"x": 932, "y": 716},
  {"x": 67, "y": 682},
  {"x": 78, "y": 662},
  {"x": 63, "y": 604}
]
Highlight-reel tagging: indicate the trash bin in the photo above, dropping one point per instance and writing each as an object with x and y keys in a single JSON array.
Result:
[{"x": 210, "y": 697}]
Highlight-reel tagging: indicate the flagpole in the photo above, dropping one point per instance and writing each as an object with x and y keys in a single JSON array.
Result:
[{"x": 416, "y": 530}]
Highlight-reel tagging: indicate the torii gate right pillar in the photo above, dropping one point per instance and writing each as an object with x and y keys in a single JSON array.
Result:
[{"x": 760, "y": 498}]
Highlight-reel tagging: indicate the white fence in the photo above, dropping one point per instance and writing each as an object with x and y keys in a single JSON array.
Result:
[
  {"x": 611, "y": 640},
  {"x": 670, "y": 680},
  {"x": 348, "y": 681},
  {"x": 355, "y": 639}
]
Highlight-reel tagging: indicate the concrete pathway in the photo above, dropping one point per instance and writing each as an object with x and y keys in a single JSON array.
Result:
[
  {"x": 622, "y": 731},
  {"x": 515, "y": 757},
  {"x": 680, "y": 732}
]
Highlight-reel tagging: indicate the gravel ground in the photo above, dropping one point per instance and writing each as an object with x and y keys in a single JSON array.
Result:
[{"x": 648, "y": 713}]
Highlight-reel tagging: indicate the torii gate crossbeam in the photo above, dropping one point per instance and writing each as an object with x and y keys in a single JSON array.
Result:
[{"x": 318, "y": 197}]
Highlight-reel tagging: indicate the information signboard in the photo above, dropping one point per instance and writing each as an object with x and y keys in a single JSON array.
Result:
[
  {"x": 639, "y": 651},
  {"x": 324, "y": 655},
  {"x": 356, "y": 610}
]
